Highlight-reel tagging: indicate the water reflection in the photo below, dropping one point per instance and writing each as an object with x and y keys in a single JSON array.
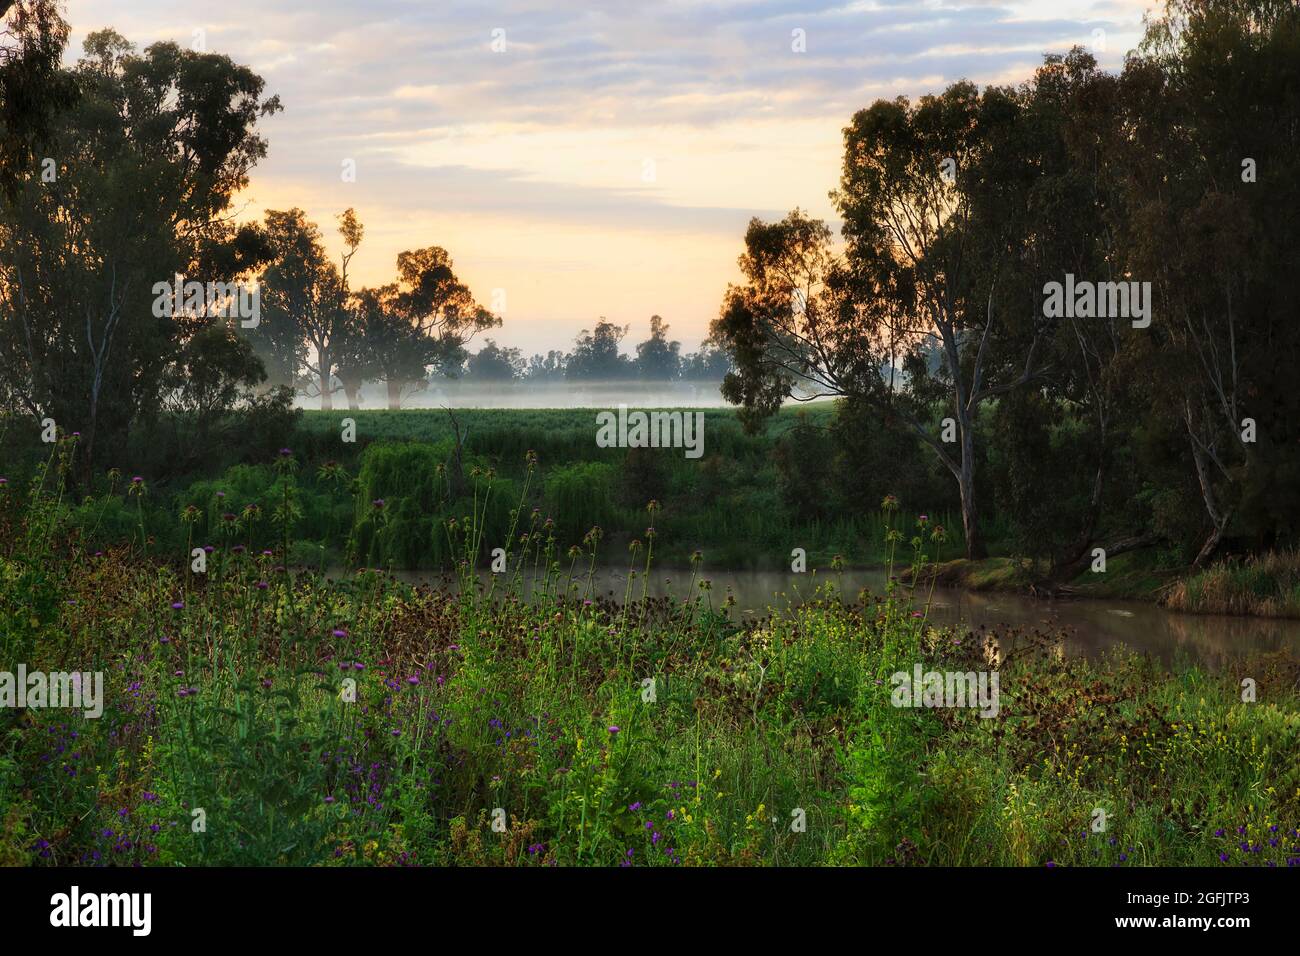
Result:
[{"x": 1087, "y": 627}]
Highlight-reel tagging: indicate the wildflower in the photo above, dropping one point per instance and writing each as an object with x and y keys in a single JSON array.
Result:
[
  {"x": 339, "y": 632},
  {"x": 613, "y": 728},
  {"x": 178, "y": 605}
]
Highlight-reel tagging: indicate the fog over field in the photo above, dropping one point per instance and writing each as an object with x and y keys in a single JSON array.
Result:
[{"x": 544, "y": 395}]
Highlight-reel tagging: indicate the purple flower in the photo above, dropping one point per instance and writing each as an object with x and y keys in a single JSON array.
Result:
[
  {"x": 178, "y": 605},
  {"x": 613, "y": 728}
]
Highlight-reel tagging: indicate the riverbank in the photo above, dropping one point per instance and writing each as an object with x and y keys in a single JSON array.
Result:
[{"x": 1266, "y": 585}]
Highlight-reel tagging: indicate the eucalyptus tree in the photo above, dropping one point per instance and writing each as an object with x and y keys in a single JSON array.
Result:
[
  {"x": 1211, "y": 105},
  {"x": 145, "y": 165},
  {"x": 933, "y": 201}
]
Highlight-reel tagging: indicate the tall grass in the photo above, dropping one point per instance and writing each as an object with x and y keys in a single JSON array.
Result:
[{"x": 1266, "y": 585}]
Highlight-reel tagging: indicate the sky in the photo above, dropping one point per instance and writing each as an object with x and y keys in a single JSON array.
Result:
[{"x": 586, "y": 160}]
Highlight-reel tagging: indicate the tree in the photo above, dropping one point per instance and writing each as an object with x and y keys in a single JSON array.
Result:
[
  {"x": 425, "y": 318},
  {"x": 150, "y": 156},
  {"x": 1209, "y": 110},
  {"x": 658, "y": 359},
  {"x": 304, "y": 300},
  {"x": 547, "y": 368},
  {"x": 492, "y": 363},
  {"x": 934, "y": 218},
  {"x": 216, "y": 369},
  {"x": 596, "y": 356},
  {"x": 709, "y": 363},
  {"x": 33, "y": 87}
]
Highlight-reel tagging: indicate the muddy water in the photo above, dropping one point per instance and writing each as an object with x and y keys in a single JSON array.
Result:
[{"x": 1087, "y": 627}]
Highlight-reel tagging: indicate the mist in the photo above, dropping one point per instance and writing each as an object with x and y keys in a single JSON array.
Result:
[{"x": 456, "y": 394}]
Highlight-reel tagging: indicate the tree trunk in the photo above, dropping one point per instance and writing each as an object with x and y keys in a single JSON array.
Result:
[
  {"x": 326, "y": 397},
  {"x": 394, "y": 395},
  {"x": 966, "y": 482},
  {"x": 1065, "y": 572},
  {"x": 353, "y": 392},
  {"x": 1218, "y": 518},
  {"x": 1211, "y": 543}
]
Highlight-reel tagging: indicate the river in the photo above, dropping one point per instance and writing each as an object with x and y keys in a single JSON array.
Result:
[{"x": 1086, "y": 626}]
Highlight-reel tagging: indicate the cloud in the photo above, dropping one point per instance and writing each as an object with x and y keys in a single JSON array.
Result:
[{"x": 554, "y": 135}]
